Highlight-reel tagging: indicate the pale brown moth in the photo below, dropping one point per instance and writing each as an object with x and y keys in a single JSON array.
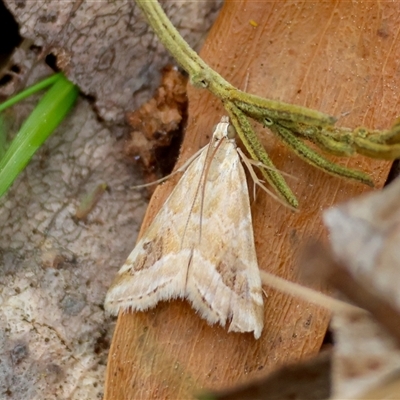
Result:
[{"x": 200, "y": 245}]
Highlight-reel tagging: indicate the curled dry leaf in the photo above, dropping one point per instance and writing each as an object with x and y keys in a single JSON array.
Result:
[
  {"x": 365, "y": 234},
  {"x": 156, "y": 125},
  {"x": 306, "y": 380}
]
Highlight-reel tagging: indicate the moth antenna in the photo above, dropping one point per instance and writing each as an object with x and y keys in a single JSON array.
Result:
[
  {"x": 202, "y": 182},
  {"x": 260, "y": 165},
  {"x": 180, "y": 169},
  {"x": 191, "y": 208},
  {"x": 194, "y": 199}
]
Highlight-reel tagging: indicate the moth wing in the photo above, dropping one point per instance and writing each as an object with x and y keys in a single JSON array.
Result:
[
  {"x": 157, "y": 267},
  {"x": 223, "y": 278}
]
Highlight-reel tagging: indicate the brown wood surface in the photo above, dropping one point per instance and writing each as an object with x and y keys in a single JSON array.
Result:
[{"x": 338, "y": 57}]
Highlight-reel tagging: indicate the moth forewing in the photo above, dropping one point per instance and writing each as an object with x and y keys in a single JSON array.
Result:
[{"x": 216, "y": 270}]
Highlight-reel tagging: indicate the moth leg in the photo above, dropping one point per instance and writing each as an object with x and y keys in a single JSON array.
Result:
[
  {"x": 182, "y": 168},
  {"x": 248, "y": 162}
]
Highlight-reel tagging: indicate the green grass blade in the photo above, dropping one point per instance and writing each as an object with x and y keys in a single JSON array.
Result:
[
  {"x": 47, "y": 115},
  {"x": 31, "y": 90},
  {"x": 3, "y": 138}
]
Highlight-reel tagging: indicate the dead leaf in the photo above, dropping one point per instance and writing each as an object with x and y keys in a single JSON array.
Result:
[
  {"x": 306, "y": 380},
  {"x": 169, "y": 351},
  {"x": 157, "y": 124},
  {"x": 365, "y": 234}
]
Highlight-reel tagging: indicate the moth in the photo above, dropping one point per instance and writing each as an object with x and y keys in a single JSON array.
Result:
[{"x": 200, "y": 245}]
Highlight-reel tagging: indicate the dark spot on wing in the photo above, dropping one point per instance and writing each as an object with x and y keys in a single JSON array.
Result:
[
  {"x": 227, "y": 274},
  {"x": 155, "y": 290},
  {"x": 232, "y": 279},
  {"x": 152, "y": 252}
]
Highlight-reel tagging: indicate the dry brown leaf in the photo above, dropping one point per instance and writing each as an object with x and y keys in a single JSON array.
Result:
[
  {"x": 365, "y": 236},
  {"x": 306, "y": 53},
  {"x": 157, "y": 123},
  {"x": 306, "y": 380}
]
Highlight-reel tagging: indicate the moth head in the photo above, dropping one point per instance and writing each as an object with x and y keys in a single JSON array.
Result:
[
  {"x": 220, "y": 131},
  {"x": 224, "y": 130}
]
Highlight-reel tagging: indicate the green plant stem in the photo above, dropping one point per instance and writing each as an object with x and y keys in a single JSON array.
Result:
[
  {"x": 289, "y": 122},
  {"x": 201, "y": 75},
  {"x": 257, "y": 152},
  {"x": 315, "y": 159}
]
